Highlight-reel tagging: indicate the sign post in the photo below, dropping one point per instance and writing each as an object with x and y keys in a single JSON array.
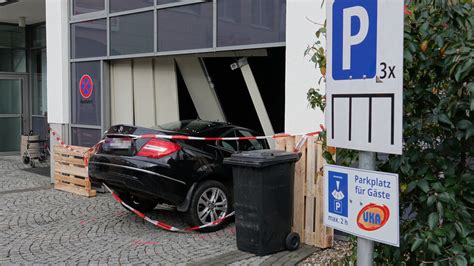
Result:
[
  {"x": 365, "y": 247},
  {"x": 364, "y": 110}
]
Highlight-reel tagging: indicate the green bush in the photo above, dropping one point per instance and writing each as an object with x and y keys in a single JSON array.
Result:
[{"x": 436, "y": 181}]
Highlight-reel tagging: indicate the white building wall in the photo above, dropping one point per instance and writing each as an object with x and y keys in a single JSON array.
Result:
[
  {"x": 301, "y": 75},
  {"x": 57, "y": 32},
  {"x": 57, "y": 50}
]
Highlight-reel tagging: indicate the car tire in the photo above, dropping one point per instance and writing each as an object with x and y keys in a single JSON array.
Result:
[
  {"x": 138, "y": 203},
  {"x": 220, "y": 206}
]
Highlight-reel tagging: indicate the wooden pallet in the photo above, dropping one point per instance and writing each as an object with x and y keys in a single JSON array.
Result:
[
  {"x": 70, "y": 172},
  {"x": 308, "y": 204}
]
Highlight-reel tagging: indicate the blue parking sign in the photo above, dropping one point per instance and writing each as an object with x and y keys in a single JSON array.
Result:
[
  {"x": 338, "y": 193},
  {"x": 354, "y": 39}
]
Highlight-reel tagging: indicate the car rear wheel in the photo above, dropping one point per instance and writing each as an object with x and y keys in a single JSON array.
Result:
[
  {"x": 210, "y": 202},
  {"x": 138, "y": 203}
]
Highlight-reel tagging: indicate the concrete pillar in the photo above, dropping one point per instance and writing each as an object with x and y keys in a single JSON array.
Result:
[{"x": 57, "y": 39}]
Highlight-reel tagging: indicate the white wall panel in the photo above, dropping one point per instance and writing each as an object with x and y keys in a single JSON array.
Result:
[
  {"x": 57, "y": 32},
  {"x": 166, "y": 90},
  {"x": 121, "y": 92},
  {"x": 144, "y": 94},
  {"x": 301, "y": 74}
]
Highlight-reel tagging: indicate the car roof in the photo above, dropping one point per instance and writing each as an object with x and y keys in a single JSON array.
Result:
[{"x": 194, "y": 126}]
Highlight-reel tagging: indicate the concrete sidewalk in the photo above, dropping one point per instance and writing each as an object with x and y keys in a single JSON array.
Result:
[{"x": 41, "y": 225}]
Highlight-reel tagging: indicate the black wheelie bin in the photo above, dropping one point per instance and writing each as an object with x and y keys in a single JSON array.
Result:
[{"x": 263, "y": 198}]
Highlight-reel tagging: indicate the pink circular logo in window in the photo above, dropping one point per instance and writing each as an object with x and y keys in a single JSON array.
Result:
[{"x": 86, "y": 86}]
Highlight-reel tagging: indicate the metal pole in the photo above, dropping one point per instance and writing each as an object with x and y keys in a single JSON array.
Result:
[{"x": 365, "y": 247}]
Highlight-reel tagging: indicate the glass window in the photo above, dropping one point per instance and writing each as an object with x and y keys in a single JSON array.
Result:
[
  {"x": 86, "y": 90},
  {"x": 12, "y": 36},
  {"x": 38, "y": 82},
  {"x": 10, "y": 102},
  {"x": 185, "y": 27},
  {"x": 122, "y": 5},
  {"x": 85, "y": 137},
  {"x": 89, "y": 39},
  {"x": 12, "y": 49},
  {"x": 245, "y": 22},
  {"x": 40, "y": 126},
  {"x": 10, "y": 132},
  {"x": 38, "y": 36},
  {"x": 132, "y": 34},
  {"x": 88, "y": 6},
  {"x": 12, "y": 60},
  {"x": 161, "y": 2}
]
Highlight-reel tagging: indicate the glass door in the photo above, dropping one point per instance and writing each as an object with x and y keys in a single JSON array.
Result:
[{"x": 11, "y": 113}]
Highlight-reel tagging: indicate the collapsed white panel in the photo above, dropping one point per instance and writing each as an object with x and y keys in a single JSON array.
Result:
[
  {"x": 203, "y": 95},
  {"x": 257, "y": 100}
]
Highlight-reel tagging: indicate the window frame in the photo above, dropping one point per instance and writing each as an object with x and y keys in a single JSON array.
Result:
[{"x": 107, "y": 15}]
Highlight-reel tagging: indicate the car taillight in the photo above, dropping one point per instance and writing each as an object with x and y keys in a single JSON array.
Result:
[{"x": 156, "y": 148}]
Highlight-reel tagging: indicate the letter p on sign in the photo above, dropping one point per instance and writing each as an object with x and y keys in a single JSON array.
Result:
[{"x": 354, "y": 53}]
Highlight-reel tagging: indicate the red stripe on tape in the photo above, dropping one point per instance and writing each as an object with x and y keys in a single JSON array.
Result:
[
  {"x": 163, "y": 225},
  {"x": 212, "y": 138},
  {"x": 218, "y": 221},
  {"x": 139, "y": 213},
  {"x": 116, "y": 197},
  {"x": 193, "y": 228},
  {"x": 281, "y": 136},
  {"x": 148, "y": 136},
  {"x": 179, "y": 137},
  {"x": 313, "y": 133}
]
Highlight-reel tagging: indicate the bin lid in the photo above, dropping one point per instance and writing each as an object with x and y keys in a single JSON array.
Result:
[{"x": 261, "y": 158}]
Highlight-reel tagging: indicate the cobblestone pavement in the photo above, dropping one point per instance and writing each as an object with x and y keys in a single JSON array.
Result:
[{"x": 41, "y": 225}]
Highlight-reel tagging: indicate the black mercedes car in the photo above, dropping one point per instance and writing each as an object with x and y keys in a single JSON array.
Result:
[{"x": 189, "y": 174}]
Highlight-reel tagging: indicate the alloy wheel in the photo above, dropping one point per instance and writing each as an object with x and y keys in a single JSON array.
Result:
[{"x": 212, "y": 205}]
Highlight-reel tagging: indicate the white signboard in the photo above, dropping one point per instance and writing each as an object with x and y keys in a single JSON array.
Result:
[
  {"x": 362, "y": 203},
  {"x": 364, "y": 81}
]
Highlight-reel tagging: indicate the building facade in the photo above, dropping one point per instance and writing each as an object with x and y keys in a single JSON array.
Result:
[
  {"x": 148, "y": 62},
  {"x": 23, "y": 88}
]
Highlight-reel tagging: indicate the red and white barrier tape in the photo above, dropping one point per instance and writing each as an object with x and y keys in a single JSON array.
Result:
[
  {"x": 82, "y": 154},
  {"x": 58, "y": 139},
  {"x": 164, "y": 225},
  {"x": 182, "y": 137},
  {"x": 298, "y": 146}
]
